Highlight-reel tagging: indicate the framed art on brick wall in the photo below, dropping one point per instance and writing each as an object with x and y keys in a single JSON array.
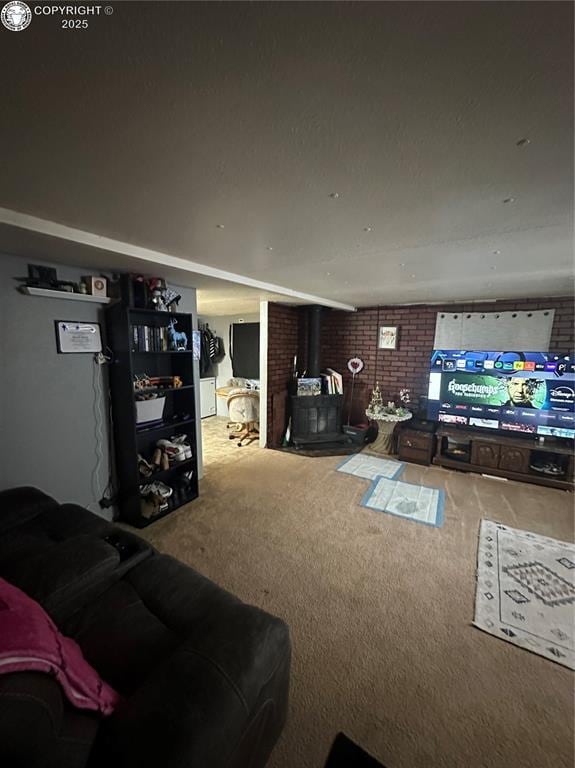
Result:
[{"x": 387, "y": 337}]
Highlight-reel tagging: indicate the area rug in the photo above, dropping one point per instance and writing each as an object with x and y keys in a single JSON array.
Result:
[
  {"x": 370, "y": 467},
  {"x": 526, "y": 591},
  {"x": 412, "y": 502}
]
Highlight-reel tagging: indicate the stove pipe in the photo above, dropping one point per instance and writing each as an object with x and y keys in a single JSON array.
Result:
[{"x": 314, "y": 341}]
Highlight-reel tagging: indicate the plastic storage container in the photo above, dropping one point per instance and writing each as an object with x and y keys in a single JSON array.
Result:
[{"x": 150, "y": 410}]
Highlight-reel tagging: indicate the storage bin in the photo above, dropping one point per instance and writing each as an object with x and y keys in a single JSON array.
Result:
[{"x": 150, "y": 410}]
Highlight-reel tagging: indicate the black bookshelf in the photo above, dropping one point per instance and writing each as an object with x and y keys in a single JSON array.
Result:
[{"x": 131, "y": 438}]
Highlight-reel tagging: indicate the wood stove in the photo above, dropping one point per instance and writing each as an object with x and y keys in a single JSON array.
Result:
[{"x": 316, "y": 418}]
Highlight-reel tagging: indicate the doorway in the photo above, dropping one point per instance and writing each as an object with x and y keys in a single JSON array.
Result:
[{"x": 229, "y": 388}]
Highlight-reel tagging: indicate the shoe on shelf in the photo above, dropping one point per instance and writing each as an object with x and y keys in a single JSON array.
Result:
[
  {"x": 156, "y": 489},
  {"x": 183, "y": 441},
  {"x": 175, "y": 451},
  {"x": 152, "y": 505},
  {"x": 144, "y": 467}
]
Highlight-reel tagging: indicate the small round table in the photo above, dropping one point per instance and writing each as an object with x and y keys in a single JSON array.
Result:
[{"x": 386, "y": 426}]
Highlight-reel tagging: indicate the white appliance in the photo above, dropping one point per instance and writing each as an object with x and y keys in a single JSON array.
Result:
[{"x": 207, "y": 397}]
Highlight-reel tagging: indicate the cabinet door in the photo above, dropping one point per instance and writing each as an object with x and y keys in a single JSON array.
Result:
[
  {"x": 419, "y": 440},
  {"x": 514, "y": 459},
  {"x": 485, "y": 454}
]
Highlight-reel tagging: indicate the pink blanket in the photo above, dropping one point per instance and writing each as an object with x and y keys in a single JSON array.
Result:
[{"x": 30, "y": 641}]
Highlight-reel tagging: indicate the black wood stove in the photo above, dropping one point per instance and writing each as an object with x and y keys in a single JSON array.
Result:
[{"x": 316, "y": 419}]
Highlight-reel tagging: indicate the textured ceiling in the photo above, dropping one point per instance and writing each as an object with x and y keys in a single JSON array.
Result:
[{"x": 161, "y": 122}]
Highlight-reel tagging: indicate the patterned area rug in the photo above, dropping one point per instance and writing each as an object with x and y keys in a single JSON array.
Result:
[
  {"x": 370, "y": 467},
  {"x": 526, "y": 591},
  {"x": 412, "y": 502}
]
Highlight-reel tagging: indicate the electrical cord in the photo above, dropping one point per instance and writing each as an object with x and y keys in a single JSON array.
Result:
[
  {"x": 97, "y": 411},
  {"x": 100, "y": 359}
]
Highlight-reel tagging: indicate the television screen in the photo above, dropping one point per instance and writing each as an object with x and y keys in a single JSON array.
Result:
[{"x": 525, "y": 392}]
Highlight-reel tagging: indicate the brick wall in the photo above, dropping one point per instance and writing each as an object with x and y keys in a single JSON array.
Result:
[
  {"x": 346, "y": 335},
  {"x": 283, "y": 343},
  {"x": 350, "y": 334}
]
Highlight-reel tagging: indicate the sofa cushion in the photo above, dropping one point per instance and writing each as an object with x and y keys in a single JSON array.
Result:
[
  {"x": 39, "y": 728},
  {"x": 31, "y": 641},
  {"x": 18, "y": 505},
  {"x": 242, "y": 641},
  {"x": 160, "y": 606},
  {"x": 215, "y": 696},
  {"x": 42, "y": 526},
  {"x": 66, "y": 575}
]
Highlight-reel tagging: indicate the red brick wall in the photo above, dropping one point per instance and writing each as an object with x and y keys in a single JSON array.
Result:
[
  {"x": 346, "y": 335},
  {"x": 283, "y": 343},
  {"x": 350, "y": 334}
]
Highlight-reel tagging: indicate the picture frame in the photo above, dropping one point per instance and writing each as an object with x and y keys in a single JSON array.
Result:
[
  {"x": 77, "y": 337},
  {"x": 387, "y": 338}
]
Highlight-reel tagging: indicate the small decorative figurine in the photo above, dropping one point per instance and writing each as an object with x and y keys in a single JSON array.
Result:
[
  {"x": 171, "y": 299},
  {"x": 178, "y": 339}
]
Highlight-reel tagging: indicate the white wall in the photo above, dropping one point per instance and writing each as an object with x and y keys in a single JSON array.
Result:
[{"x": 223, "y": 371}]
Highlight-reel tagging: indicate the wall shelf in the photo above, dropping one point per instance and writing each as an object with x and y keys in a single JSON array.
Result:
[{"x": 49, "y": 294}]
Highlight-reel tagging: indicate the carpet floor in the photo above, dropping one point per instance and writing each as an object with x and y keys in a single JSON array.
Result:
[
  {"x": 218, "y": 451},
  {"x": 380, "y": 612}
]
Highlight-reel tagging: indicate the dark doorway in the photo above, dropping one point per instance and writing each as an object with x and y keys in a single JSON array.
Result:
[{"x": 245, "y": 350}]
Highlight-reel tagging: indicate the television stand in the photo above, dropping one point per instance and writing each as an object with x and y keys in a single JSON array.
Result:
[{"x": 549, "y": 463}]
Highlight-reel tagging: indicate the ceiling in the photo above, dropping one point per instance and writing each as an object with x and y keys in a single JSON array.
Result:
[
  {"x": 359, "y": 152},
  {"x": 215, "y": 296}
]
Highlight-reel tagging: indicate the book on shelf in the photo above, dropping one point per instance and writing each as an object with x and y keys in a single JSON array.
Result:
[
  {"x": 333, "y": 382},
  {"x": 146, "y": 338}
]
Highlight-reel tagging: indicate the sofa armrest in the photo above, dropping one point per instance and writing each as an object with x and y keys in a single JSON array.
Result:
[
  {"x": 38, "y": 727},
  {"x": 19, "y": 505},
  {"x": 67, "y": 575},
  {"x": 219, "y": 700}
]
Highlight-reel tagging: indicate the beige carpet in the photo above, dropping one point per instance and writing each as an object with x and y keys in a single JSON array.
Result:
[
  {"x": 217, "y": 448},
  {"x": 380, "y": 612}
]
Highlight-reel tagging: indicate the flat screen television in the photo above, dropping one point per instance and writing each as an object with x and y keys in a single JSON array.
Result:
[{"x": 531, "y": 393}]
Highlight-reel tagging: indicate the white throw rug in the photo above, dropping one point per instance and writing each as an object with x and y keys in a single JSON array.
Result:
[
  {"x": 367, "y": 466},
  {"x": 526, "y": 591},
  {"x": 412, "y": 502}
]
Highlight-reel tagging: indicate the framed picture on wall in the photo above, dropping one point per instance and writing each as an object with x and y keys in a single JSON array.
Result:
[{"x": 387, "y": 337}]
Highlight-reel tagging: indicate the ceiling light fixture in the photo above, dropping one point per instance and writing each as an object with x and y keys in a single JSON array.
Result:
[
  {"x": 220, "y": 226},
  {"x": 367, "y": 229},
  {"x": 402, "y": 264},
  {"x": 269, "y": 248},
  {"x": 496, "y": 253},
  {"x": 523, "y": 142},
  {"x": 334, "y": 195},
  {"x": 509, "y": 200}
]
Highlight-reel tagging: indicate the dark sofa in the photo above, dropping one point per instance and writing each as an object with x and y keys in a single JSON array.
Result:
[{"x": 204, "y": 677}]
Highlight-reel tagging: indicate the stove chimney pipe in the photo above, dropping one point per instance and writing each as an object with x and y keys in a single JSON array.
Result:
[{"x": 314, "y": 341}]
